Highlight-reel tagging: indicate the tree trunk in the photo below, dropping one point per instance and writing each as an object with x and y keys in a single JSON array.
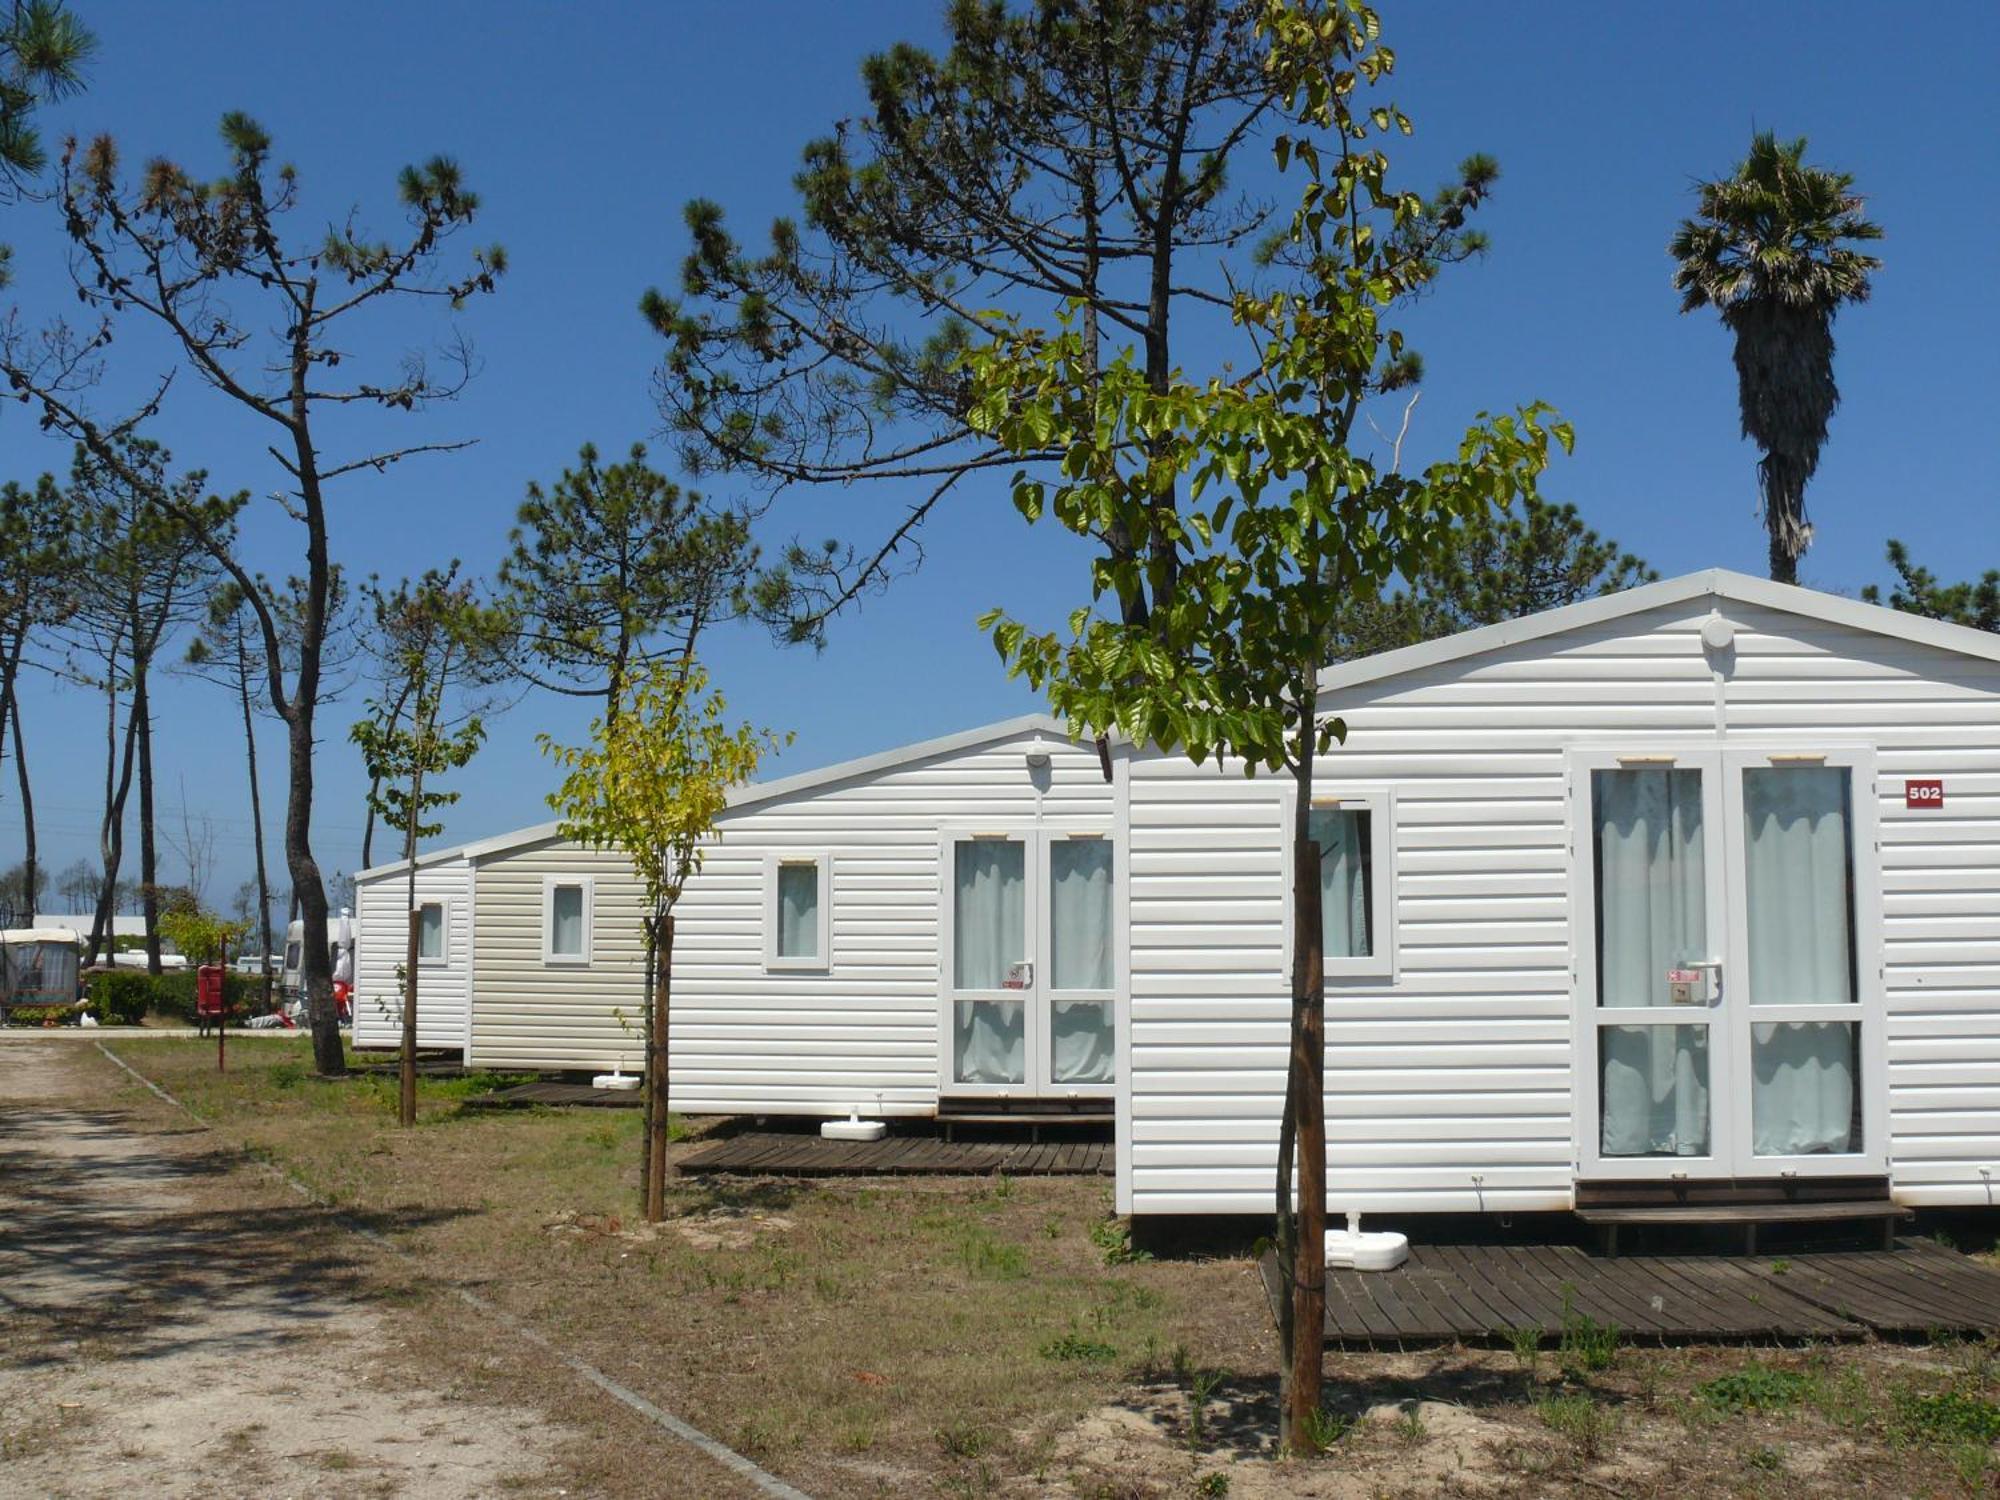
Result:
[
  {"x": 10, "y": 714},
  {"x": 256, "y": 814},
  {"x": 656, "y": 1073},
  {"x": 111, "y": 836},
  {"x": 1305, "y": 1097},
  {"x": 1784, "y": 566},
  {"x": 315, "y": 968},
  {"x": 149, "y": 855},
  {"x": 406, "y": 1066}
]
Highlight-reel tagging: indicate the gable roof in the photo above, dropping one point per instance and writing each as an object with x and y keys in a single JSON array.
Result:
[
  {"x": 1711, "y": 583},
  {"x": 751, "y": 793}
]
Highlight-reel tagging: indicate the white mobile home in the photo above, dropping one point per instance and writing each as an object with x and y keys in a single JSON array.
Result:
[
  {"x": 1698, "y": 884},
  {"x": 444, "y": 951}
]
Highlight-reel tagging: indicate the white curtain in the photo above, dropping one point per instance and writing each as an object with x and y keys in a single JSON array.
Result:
[
  {"x": 1802, "y": 1088},
  {"x": 1798, "y": 888},
  {"x": 566, "y": 920},
  {"x": 1653, "y": 1083},
  {"x": 430, "y": 930},
  {"x": 990, "y": 1041},
  {"x": 1080, "y": 914},
  {"x": 1652, "y": 916},
  {"x": 1082, "y": 1041},
  {"x": 989, "y": 911},
  {"x": 1345, "y": 880},
  {"x": 798, "y": 911}
]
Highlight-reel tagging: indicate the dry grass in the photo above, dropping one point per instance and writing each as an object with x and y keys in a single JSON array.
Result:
[{"x": 966, "y": 1336}]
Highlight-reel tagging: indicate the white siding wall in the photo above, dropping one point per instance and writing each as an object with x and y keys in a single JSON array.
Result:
[
  {"x": 862, "y": 1034},
  {"x": 1449, "y": 1089},
  {"x": 382, "y": 942},
  {"x": 1931, "y": 714}
]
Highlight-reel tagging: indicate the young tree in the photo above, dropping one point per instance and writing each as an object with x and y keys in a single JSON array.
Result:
[
  {"x": 43, "y": 47},
  {"x": 268, "y": 324},
  {"x": 435, "y": 641},
  {"x": 1918, "y": 592},
  {"x": 651, "y": 783},
  {"x": 1287, "y": 520},
  {"x": 613, "y": 568},
  {"x": 1070, "y": 152},
  {"x": 37, "y": 528},
  {"x": 1767, "y": 250},
  {"x": 141, "y": 579}
]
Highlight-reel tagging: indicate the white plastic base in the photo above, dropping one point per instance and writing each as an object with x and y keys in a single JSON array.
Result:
[
  {"x": 1366, "y": 1250},
  {"x": 616, "y": 1081},
  {"x": 854, "y": 1130}
]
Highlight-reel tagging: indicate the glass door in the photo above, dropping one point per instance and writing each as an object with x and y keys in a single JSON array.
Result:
[
  {"x": 1654, "y": 1077},
  {"x": 1803, "y": 910},
  {"x": 1029, "y": 981}
]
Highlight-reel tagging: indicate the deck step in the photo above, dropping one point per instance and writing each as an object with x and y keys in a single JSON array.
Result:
[{"x": 1748, "y": 1215}]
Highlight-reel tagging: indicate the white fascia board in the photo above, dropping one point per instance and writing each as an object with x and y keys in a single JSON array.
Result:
[
  {"x": 1718, "y": 583},
  {"x": 424, "y": 862}
]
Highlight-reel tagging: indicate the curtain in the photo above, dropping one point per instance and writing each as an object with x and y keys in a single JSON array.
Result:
[
  {"x": 1346, "y": 876},
  {"x": 1796, "y": 856},
  {"x": 1802, "y": 1088},
  {"x": 1082, "y": 1041},
  {"x": 798, "y": 911},
  {"x": 1652, "y": 881},
  {"x": 1080, "y": 914},
  {"x": 430, "y": 930},
  {"x": 566, "y": 921},
  {"x": 990, "y": 1041},
  {"x": 1652, "y": 916},
  {"x": 989, "y": 911},
  {"x": 1653, "y": 1090},
  {"x": 1798, "y": 889}
]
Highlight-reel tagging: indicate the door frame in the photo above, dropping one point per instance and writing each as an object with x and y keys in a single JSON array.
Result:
[
  {"x": 1037, "y": 1031},
  {"x": 1721, "y": 761}
]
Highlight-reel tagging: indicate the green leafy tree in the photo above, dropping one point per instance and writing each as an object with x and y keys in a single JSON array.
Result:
[
  {"x": 1918, "y": 592},
  {"x": 437, "y": 643},
  {"x": 264, "y": 319},
  {"x": 1057, "y": 152},
  {"x": 651, "y": 783},
  {"x": 613, "y": 568},
  {"x": 1247, "y": 585},
  {"x": 43, "y": 49},
  {"x": 202, "y": 936},
  {"x": 1771, "y": 249}
]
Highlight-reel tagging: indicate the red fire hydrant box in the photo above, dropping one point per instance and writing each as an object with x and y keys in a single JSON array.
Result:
[{"x": 208, "y": 991}]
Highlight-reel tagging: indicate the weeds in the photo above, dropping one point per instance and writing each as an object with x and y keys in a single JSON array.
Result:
[
  {"x": 1410, "y": 1427},
  {"x": 1113, "y": 1237},
  {"x": 1586, "y": 1344},
  {"x": 983, "y": 1255},
  {"x": 1755, "y": 1387},
  {"x": 1201, "y": 1390},
  {"x": 1326, "y": 1428},
  {"x": 1213, "y": 1485},
  {"x": 1581, "y": 1422},
  {"x": 1526, "y": 1343},
  {"x": 1948, "y": 1416},
  {"x": 1074, "y": 1346}
]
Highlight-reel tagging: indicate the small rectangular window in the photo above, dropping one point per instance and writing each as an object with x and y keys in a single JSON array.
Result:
[
  {"x": 430, "y": 932},
  {"x": 566, "y": 918},
  {"x": 1356, "y": 883},
  {"x": 798, "y": 894}
]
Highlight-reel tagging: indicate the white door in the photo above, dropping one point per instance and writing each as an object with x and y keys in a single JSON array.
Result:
[
  {"x": 1727, "y": 966},
  {"x": 1028, "y": 989}
]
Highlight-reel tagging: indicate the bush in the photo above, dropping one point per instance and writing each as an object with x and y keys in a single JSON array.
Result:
[
  {"x": 38, "y": 1015},
  {"x": 122, "y": 997}
]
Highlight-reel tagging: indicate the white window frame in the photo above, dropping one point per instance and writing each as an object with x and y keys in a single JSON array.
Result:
[
  {"x": 1379, "y": 802},
  {"x": 550, "y": 884},
  {"x": 822, "y": 961},
  {"x": 442, "y": 958}
]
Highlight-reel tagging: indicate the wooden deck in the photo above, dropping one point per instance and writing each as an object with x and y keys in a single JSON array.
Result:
[
  {"x": 794, "y": 1154},
  {"x": 1484, "y": 1292},
  {"x": 528, "y": 1095}
]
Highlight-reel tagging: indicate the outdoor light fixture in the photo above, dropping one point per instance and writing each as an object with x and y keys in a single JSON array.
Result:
[{"x": 1038, "y": 760}]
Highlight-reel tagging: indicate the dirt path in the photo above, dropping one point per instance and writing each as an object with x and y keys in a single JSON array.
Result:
[{"x": 173, "y": 1323}]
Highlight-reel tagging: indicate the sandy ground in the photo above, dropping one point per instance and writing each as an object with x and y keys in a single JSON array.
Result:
[{"x": 167, "y": 1330}]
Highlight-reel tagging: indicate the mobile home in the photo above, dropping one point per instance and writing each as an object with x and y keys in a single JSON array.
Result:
[{"x": 1697, "y": 884}]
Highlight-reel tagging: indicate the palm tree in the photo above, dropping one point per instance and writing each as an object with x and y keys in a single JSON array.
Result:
[{"x": 1767, "y": 251}]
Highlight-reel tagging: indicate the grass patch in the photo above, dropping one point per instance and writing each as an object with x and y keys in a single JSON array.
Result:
[
  {"x": 1948, "y": 1416},
  {"x": 1583, "y": 1423}
]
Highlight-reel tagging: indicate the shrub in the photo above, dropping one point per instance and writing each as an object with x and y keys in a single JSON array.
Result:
[
  {"x": 124, "y": 996},
  {"x": 37, "y": 1015}
]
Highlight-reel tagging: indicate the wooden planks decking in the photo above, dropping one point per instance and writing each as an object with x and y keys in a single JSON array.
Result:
[
  {"x": 792, "y": 1154},
  {"x": 1487, "y": 1291}
]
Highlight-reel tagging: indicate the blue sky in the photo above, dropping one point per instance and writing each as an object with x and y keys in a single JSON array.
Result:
[{"x": 586, "y": 127}]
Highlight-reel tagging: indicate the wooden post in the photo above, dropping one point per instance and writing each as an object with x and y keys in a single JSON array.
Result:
[
  {"x": 656, "y": 1074},
  {"x": 1308, "y": 1270}
]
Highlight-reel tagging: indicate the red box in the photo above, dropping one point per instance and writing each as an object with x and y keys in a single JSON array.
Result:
[{"x": 208, "y": 990}]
